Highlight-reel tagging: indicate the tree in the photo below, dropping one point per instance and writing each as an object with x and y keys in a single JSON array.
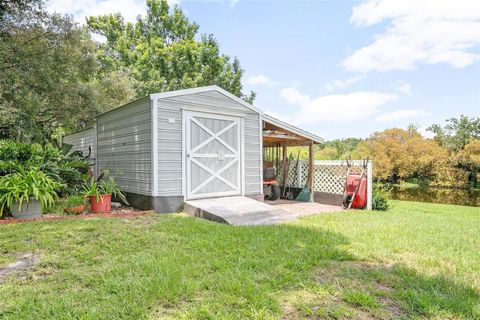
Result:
[
  {"x": 326, "y": 153},
  {"x": 343, "y": 148},
  {"x": 469, "y": 160},
  {"x": 49, "y": 67},
  {"x": 399, "y": 154},
  {"x": 456, "y": 134},
  {"x": 10, "y": 7},
  {"x": 161, "y": 53}
]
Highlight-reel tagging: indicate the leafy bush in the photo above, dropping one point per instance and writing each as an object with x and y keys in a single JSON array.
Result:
[
  {"x": 379, "y": 199},
  {"x": 57, "y": 164},
  {"x": 21, "y": 186},
  {"x": 13, "y": 155}
]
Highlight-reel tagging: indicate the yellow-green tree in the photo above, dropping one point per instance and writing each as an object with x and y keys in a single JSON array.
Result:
[
  {"x": 469, "y": 160},
  {"x": 400, "y": 154}
]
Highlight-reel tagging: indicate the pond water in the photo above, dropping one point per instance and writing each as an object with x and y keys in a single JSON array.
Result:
[{"x": 464, "y": 197}]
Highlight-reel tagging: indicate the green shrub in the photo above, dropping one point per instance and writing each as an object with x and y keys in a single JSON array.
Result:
[
  {"x": 380, "y": 201},
  {"x": 21, "y": 186},
  {"x": 57, "y": 164}
]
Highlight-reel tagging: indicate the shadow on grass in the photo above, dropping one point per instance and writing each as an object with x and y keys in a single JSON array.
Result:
[
  {"x": 438, "y": 295},
  {"x": 286, "y": 259},
  {"x": 396, "y": 292},
  {"x": 351, "y": 287},
  {"x": 179, "y": 267}
]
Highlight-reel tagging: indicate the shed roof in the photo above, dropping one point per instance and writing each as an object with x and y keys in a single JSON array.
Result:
[
  {"x": 265, "y": 117},
  {"x": 204, "y": 89}
]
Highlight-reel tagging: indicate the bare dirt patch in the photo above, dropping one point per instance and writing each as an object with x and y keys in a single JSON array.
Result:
[{"x": 19, "y": 268}]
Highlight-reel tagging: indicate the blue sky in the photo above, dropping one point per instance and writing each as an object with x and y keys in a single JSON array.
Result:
[{"x": 341, "y": 68}]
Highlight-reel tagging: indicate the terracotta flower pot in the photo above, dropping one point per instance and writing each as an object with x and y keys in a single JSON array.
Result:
[
  {"x": 75, "y": 210},
  {"x": 101, "y": 205}
]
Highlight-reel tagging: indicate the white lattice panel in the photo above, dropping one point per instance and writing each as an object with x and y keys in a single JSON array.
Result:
[
  {"x": 292, "y": 177},
  {"x": 329, "y": 176}
]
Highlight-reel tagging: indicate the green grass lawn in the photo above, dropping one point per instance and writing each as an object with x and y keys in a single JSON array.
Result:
[{"x": 416, "y": 261}]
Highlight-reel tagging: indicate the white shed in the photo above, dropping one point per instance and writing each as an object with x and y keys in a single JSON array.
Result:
[{"x": 181, "y": 145}]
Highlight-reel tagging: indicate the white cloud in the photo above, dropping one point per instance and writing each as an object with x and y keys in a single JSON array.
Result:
[
  {"x": 338, "y": 107},
  {"x": 340, "y": 84},
  {"x": 405, "y": 88},
  {"x": 260, "y": 80},
  {"x": 401, "y": 115},
  {"x": 294, "y": 97},
  {"x": 427, "y": 31},
  {"x": 425, "y": 133},
  {"x": 80, "y": 9}
]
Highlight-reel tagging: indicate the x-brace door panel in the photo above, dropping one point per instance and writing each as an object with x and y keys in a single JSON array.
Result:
[{"x": 213, "y": 155}]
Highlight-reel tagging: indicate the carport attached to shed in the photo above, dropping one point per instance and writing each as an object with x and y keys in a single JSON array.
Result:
[
  {"x": 187, "y": 144},
  {"x": 278, "y": 135}
]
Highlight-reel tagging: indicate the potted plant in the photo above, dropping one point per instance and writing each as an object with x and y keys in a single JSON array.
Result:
[
  {"x": 74, "y": 205},
  {"x": 98, "y": 201},
  {"x": 27, "y": 193},
  {"x": 100, "y": 194}
]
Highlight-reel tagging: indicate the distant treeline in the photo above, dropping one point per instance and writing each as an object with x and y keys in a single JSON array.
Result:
[{"x": 451, "y": 158}]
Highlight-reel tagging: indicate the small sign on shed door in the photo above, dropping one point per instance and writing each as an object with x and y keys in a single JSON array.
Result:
[{"x": 221, "y": 156}]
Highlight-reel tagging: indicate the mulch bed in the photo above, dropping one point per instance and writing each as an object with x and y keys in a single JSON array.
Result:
[{"x": 113, "y": 214}]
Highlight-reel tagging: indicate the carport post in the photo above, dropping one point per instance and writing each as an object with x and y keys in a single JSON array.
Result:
[{"x": 310, "y": 170}]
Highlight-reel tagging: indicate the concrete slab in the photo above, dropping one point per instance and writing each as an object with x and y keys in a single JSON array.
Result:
[
  {"x": 246, "y": 211},
  {"x": 301, "y": 209},
  {"x": 237, "y": 211}
]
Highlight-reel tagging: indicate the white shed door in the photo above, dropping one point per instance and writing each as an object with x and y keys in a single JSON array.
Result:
[{"x": 213, "y": 155}]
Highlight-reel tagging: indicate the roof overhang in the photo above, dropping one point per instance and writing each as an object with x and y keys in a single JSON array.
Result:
[{"x": 276, "y": 131}]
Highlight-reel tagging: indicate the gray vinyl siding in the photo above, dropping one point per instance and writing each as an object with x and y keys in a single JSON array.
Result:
[
  {"x": 81, "y": 140},
  {"x": 124, "y": 145},
  {"x": 170, "y": 138},
  {"x": 253, "y": 157},
  {"x": 169, "y": 148}
]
